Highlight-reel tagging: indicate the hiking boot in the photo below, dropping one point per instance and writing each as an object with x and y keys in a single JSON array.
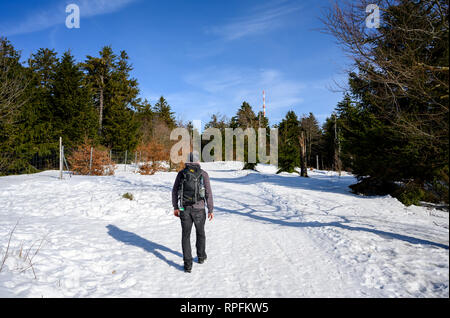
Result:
[
  {"x": 187, "y": 268},
  {"x": 201, "y": 260}
]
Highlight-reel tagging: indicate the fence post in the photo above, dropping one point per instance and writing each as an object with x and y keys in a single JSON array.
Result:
[
  {"x": 317, "y": 161},
  {"x": 60, "y": 159},
  {"x": 90, "y": 163},
  {"x": 126, "y": 153},
  {"x": 135, "y": 161}
]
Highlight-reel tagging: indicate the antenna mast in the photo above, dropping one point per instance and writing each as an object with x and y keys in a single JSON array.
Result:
[{"x": 264, "y": 104}]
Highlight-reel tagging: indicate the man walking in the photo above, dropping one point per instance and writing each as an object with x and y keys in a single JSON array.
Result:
[{"x": 190, "y": 191}]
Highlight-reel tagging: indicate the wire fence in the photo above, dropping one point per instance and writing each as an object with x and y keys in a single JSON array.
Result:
[
  {"x": 11, "y": 163},
  {"x": 129, "y": 159},
  {"x": 122, "y": 157}
]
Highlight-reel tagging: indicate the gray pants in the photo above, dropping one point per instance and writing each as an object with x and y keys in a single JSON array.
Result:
[{"x": 197, "y": 217}]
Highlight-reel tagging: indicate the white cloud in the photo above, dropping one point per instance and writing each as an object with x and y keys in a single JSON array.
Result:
[
  {"x": 223, "y": 90},
  {"x": 51, "y": 16},
  {"x": 261, "y": 19},
  {"x": 91, "y": 8}
]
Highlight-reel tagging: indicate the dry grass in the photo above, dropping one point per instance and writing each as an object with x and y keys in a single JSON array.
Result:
[{"x": 25, "y": 256}]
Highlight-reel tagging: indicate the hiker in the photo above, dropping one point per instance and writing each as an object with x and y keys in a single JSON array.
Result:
[{"x": 190, "y": 191}]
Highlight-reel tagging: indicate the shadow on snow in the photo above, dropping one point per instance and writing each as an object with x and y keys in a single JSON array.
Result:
[
  {"x": 149, "y": 246},
  {"x": 322, "y": 183},
  {"x": 342, "y": 225}
]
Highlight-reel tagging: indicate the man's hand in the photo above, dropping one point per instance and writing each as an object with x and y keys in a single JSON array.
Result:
[
  {"x": 210, "y": 216},
  {"x": 176, "y": 213}
]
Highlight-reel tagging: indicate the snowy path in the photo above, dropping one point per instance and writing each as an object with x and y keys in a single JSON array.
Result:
[{"x": 272, "y": 236}]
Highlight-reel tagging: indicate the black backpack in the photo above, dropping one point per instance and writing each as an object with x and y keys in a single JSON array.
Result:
[{"x": 192, "y": 187}]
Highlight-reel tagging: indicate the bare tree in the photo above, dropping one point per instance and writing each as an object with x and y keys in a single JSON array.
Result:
[
  {"x": 13, "y": 83},
  {"x": 312, "y": 130},
  {"x": 404, "y": 59},
  {"x": 11, "y": 93}
]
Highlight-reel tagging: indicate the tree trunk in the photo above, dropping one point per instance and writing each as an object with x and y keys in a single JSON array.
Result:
[
  {"x": 337, "y": 149},
  {"x": 309, "y": 144},
  {"x": 303, "y": 166},
  {"x": 100, "y": 120}
]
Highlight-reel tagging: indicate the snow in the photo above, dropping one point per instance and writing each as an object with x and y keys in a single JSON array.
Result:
[{"x": 272, "y": 236}]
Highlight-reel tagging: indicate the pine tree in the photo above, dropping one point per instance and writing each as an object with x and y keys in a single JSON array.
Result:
[
  {"x": 396, "y": 129},
  {"x": 38, "y": 120},
  {"x": 116, "y": 96},
  {"x": 289, "y": 148},
  {"x": 263, "y": 121},
  {"x": 120, "y": 123},
  {"x": 145, "y": 115},
  {"x": 74, "y": 115},
  {"x": 99, "y": 71},
  {"x": 246, "y": 117},
  {"x": 27, "y": 130},
  {"x": 328, "y": 143},
  {"x": 120, "y": 128},
  {"x": 14, "y": 93},
  {"x": 220, "y": 122},
  {"x": 164, "y": 112}
]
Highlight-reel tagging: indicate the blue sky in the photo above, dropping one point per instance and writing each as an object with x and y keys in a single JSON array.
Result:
[{"x": 204, "y": 57}]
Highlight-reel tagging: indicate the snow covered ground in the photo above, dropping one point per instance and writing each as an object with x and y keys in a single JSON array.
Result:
[{"x": 272, "y": 236}]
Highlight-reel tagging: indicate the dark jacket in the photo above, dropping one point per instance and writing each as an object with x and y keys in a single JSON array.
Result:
[{"x": 200, "y": 204}]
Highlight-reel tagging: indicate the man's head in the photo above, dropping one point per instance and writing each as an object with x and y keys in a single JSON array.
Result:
[{"x": 193, "y": 157}]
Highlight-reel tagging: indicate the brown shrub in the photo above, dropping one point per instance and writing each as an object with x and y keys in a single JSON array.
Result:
[
  {"x": 102, "y": 165},
  {"x": 149, "y": 168},
  {"x": 152, "y": 154}
]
